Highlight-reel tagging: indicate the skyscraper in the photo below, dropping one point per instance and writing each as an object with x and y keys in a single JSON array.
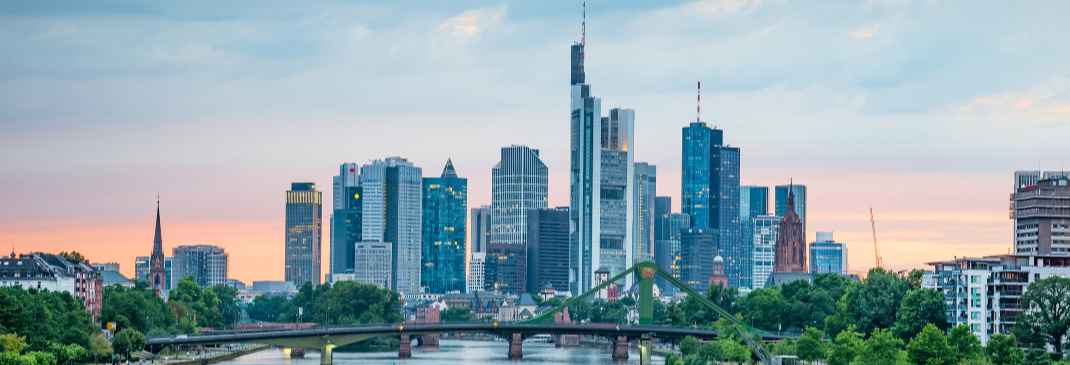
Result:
[
  {"x": 157, "y": 271},
  {"x": 207, "y": 264},
  {"x": 698, "y": 248},
  {"x": 304, "y": 207},
  {"x": 753, "y": 202},
  {"x": 765, "y": 235},
  {"x": 710, "y": 194},
  {"x": 827, "y": 256},
  {"x": 799, "y": 197},
  {"x": 601, "y": 182},
  {"x": 669, "y": 253},
  {"x": 644, "y": 202},
  {"x": 662, "y": 209},
  {"x": 372, "y": 263},
  {"x": 481, "y": 227},
  {"x": 790, "y": 241},
  {"x": 346, "y": 218},
  {"x": 445, "y": 205},
  {"x": 519, "y": 183},
  {"x": 391, "y": 212},
  {"x": 547, "y": 249},
  {"x": 1041, "y": 216}
]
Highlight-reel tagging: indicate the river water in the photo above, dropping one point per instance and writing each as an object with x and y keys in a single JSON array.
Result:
[{"x": 453, "y": 352}]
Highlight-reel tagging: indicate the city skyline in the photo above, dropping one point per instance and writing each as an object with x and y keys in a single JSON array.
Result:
[{"x": 898, "y": 134}]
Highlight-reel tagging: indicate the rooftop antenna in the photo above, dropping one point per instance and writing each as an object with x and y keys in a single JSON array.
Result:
[
  {"x": 698, "y": 103},
  {"x": 583, "y": 34}
]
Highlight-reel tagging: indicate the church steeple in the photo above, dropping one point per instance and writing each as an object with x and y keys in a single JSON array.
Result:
[
  {"x": 157, "y": 243},
  {"x": 157, "y": 270}
]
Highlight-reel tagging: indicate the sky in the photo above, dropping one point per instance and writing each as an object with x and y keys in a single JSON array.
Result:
[{"x": 920, "y": 110}]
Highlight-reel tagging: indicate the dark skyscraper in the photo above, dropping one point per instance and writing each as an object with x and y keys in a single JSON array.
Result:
[
  {"x": 698, "y": 247},
  {"x": 790, "y": 243},
  {"x": 662, "y": 209},
  {"x": 445, "y": 205},
  {"x": 304, "y": 207},
  {"x": 506, "y": 268},
  {"x": 481, "y": 225},
  {"x": 346, "y": 218},
  {"x": 548, "y": 249},
  {"x": 157, "y": 270},
  {"x": 710, "y": 194},
  {"x": 753, "y": 202}
]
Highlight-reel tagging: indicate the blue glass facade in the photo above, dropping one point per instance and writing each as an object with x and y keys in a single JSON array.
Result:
[
  {"x": 710, "y": 194},
  {"x": 827, "y": 256},
  {"x": 753, "y": 202},
  {"x": 445, "y": 208},
  {"x": 800, "y": 201},
  {"x": 346, "y": 218}
]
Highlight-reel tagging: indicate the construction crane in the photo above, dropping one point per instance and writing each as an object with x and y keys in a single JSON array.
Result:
[{"x": 876, "y": 251}]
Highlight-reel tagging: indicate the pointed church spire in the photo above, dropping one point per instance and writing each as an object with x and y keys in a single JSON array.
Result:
[
  {"x": 157, "y": 243},
  {"x": 448, "y": 170}
]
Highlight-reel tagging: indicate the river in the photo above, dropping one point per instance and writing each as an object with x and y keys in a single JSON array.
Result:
[{"x": 454, "y": 352}]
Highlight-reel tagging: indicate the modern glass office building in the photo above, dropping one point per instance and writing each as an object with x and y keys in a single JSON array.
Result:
[
  {"x": 753, "y": 202},
  {"x": 445, "y": 206},
  {"x": 520, "y": 183},
  {"x": 710, "y": 194},
  {"x": 765, "y": 233},
  {"x": 547, "y": 249},
  {"x": 827, "y": 256},
  {"x": 304, "y": 209},
  {"x": 799, "y": 192},
  {"x": 345, "y": 218},
  {"x": 643, "y": 208},
  {"x": 392, "y": 212},
  {"x": 207, "y": 264},
  {"x": 668, "y": 252}
]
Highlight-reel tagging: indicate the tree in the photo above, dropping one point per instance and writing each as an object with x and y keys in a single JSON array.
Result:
[
  {"x": 963, "y": 343},
  {"x": 627, "y": 301},
  {"x": 136, "y": 307},
  {"x": 74, "y": 256},
  {"x": 725, "y": 297},
  {"x": 689, "y": 345},
  {"x": 784, "y": 347},
  {"x": 930, "y": 347},
  {"x": 875, "y": 303},
  {"x": 44, "y": 317},
  {"x": 457, "y": 314},
  {"x": 1004, "y": 350},
  {"x": 266, "y": 309},
  {"x": 1047, "y": 312},
  {"x": 69, "y": 354},
  {"x": 1037, "y": 357},
  {"x": 765, "y": 308},
  {"x": 711, "y": 351},
  {"x": 99, "y": 347},
  {"x": 127, "y": 341},
  {"x": 920, "y": 307},
  {"x": 811, "y": 346},
  {"x": 845, "y": 347},
  {"x": 228, "y": 304},
  {"x": 842, "y": 319},
  {"x": 11, "y": 342},
  {"x": 914, "y": 278},
  {"x": 880, "y": 348}
]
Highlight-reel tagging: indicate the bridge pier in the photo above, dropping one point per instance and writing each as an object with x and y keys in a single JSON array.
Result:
[
  {"x": 405, "y": 350},
  {"x": 644, "y": 349},
  {"x": 516, "y": 347},
  {"x": 620, "y": 348},
  {"x": 327, "y": 354}
]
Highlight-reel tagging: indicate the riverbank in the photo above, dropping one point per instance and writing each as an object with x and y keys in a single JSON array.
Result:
[{"x": 220, "y": 357}]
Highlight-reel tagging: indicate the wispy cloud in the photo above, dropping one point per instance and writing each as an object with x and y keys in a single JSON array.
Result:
[
  {"x": 864, "y": 32},
  {"x": 471, "y": 22},
  {"x": 1048, "y": 101},
  {"x": 360, "y": 31}
]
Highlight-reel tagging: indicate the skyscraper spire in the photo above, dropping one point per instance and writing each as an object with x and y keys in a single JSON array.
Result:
[
  {"x": 583, "y": 35},
  {"x": 698, "y": 101}
]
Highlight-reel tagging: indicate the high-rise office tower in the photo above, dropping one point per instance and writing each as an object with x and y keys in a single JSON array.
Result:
[
  {"x": 753, "y": 202},
  {"x": 157, "y": 271},
  {"x": 445, "y": 207},
  {"x": 372, "y": 263},
  {"x": 765, "y": 235},
  {"x": 520, "y": 182},
  {"x": 662, "y": 209},
  {"x": 547, "y": 249},
  {"x": 346, "y": 218},
  {"x": 207, "y": 264},
  {"x": 798, "y": 193},
  {"x": 481, "y": 226},
  {"x": 791, "y": 241},
  {"x": 304, "y": 207},
  {"x": 476, "y": 268},
  {"x": 1025, "y": 178},
  {"x": 710, "y": 194},
  {"x": 698, "y": 248},
  {"x": 827, "y": 256},
  {"x": 601, "y": 182},
  {"x": 391, "y": 212},
  {"x": 643, "y": 209},
  {"x": 668, "y": 251},
  {"x": 1041, "y": 214}
]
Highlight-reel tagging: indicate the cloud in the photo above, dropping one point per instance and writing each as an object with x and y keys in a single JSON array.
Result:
[
  {"x": 713, "y": 6},
  {"x": 471, "y": 22},
  {"x": 190, "y": 53},
  {"x": 865, "y": 32},
  {"x": 1048, "y": 101},
  {"x": 360, "y": 31}
]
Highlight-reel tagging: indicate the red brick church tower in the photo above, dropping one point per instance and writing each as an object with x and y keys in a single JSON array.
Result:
[{"x": 790, "y": 241}]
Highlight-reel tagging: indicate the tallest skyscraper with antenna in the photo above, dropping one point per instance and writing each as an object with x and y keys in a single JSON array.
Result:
[{"x": 601, "y": 180}]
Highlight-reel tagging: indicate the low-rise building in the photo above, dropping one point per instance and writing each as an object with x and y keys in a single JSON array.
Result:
[
  {"x": 985, "y": 293},
  {"x": 54, "y": 273}
]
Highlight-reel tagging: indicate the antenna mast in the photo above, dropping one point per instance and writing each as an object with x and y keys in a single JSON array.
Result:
[
  {"x": 698, "y": 103},
  {"x": 583, "y": 35}
]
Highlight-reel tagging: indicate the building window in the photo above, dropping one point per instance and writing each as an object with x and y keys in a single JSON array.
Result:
[
  {"x": 974, "y": 315},
  {"x": 975, "y": 327}
]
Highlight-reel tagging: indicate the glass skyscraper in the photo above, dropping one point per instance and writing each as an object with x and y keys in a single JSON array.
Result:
[
  {"x": 710, "y": 194},
  {"x": 667, "y": 248},
  {"x": 304, "y": 208},
  {"x": 799, "y": 192},
  {"x": 207, "y": 264},
  {"x": 445, "y": 205},
  {"x": 392, "y": 212},
  {"x": 753, "y": 202},
  {"x": 345, "y": 218},
  {"x": 764, "y": 238},
  {"x": 519, "y": 183},
  {"x": 827, "y": 256},
  {"x": 644, "y": 201}
]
